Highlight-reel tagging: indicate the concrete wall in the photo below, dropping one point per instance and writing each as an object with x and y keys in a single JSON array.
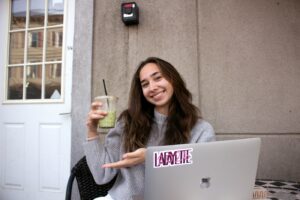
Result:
[
  {"x": 82, "y": 76},
  {"x": 250, "y": 65},
  {"x": 240, "y": 59},
  {"x": 250, "y": 77}
]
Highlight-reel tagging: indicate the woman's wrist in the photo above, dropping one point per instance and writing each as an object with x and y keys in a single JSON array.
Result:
[
  {"x": 92, "y": 138},
  {"x": 92, "y": 134}
]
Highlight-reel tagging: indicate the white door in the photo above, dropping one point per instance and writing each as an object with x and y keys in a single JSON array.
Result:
[{"x": 35, "y": 98}]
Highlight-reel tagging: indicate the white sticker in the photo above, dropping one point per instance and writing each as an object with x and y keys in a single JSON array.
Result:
[
  {"x": 127, "y": 15},
  {"x": 171, "y": 158}
]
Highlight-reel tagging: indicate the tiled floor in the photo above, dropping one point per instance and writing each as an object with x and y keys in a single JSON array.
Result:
[{"x": 281, "y": 190}]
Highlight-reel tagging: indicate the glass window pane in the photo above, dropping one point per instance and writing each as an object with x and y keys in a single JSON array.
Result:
[
  {"x": 33, "y": 82},
  {"x": 16, "y": 47},
  {"x": 55, "y": 12},
  {"x": 34, "y": 77},
  {"x": 54, "y": 44},
  {"x": 53, "y": 81},
  {"x": 35, "y": 46},
  {"x": 15, "y": 83},
  {"x": 18, "y": 14},
  {"x": 37, "y": 13}
]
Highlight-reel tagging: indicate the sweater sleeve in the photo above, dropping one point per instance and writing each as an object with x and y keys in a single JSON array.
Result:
[
  {"x": 98, "y": 153},
  {"x": 202, "y": 132}
]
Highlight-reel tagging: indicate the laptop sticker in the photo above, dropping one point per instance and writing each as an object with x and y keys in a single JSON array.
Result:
[{"x": 172, "y": 158}]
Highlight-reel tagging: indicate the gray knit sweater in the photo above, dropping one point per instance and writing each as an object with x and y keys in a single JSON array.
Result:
[{"x": 130, "y": 181}]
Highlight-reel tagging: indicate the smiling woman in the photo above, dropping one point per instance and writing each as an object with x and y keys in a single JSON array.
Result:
[{"x": 160, "y": 112}]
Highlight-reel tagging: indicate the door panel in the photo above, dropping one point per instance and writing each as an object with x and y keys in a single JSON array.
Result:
[{"x": 13, "y": 154}]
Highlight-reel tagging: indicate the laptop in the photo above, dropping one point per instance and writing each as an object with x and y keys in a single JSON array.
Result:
[{"x": 220, "y": 170}]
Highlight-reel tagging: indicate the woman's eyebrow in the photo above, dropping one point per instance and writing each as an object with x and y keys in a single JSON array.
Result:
[{"x": 153, "y": 74}]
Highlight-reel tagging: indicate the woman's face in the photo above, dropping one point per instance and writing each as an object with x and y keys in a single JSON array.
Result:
[{"x": 156, "y": 89}]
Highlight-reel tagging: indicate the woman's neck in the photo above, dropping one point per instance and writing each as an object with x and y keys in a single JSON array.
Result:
[
  {"x": 162, "y": 110},
  {"x": 159, "y": 118}
]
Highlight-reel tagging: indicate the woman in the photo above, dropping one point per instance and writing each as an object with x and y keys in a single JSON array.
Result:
[{"x": 160, "y": 112}]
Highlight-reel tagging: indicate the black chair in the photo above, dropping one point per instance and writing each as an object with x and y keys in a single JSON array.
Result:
[{"x": 88, "y": 188}]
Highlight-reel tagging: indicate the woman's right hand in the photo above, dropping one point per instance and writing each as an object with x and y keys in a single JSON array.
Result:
[
  {"x": 129, "y": 159},
  {"x": 93, "y": 117}
]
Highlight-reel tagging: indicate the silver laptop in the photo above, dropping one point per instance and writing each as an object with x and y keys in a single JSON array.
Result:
[{"x": 221, "y": 170}]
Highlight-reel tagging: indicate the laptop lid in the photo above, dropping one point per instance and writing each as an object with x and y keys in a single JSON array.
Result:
[{"x": 221, "y": 170}]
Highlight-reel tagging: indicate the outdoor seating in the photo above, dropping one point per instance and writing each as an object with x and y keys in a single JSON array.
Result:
[{"x": 88, "y": 188}]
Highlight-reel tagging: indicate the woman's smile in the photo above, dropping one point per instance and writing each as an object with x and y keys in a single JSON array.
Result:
[{"x": 158, "y": 95}]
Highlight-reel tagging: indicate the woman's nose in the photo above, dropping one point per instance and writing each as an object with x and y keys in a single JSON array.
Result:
[{"x": 152, "y": 86}]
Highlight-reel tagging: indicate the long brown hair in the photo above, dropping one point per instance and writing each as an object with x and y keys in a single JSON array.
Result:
[{"x": 138, "y": 118}]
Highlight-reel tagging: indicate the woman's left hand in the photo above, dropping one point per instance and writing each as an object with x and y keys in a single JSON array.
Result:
[{"x": 129, "y": 159}]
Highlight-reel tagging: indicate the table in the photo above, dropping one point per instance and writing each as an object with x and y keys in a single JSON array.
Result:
[
  {"x": 277, "y": 190},
  {"x": 280, "y": 190}
]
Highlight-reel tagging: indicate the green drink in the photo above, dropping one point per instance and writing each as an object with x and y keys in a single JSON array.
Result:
[
  {"x": 108, "y": 121},
  {"x": 108, "y": 104}
]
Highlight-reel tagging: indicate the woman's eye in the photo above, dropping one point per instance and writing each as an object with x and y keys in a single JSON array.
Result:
[
  {"x": 144, "y": 85},
  {"x": 157, "y": 78}
]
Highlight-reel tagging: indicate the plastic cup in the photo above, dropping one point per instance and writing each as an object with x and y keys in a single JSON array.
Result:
[{"x": 108, "y": 105}]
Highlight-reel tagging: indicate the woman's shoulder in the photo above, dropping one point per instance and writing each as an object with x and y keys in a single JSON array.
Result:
[
  {"x": 202, "y": 125},
  {"x": 202, "y": 131}
]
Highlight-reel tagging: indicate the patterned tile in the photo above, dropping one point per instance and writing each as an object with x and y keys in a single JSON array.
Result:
[{"x": 280, "y": 190}]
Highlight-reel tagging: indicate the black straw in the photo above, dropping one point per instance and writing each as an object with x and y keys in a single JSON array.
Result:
[
  {"x": 104, "y": 87},
  {"x": 105, "y": 91}
]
